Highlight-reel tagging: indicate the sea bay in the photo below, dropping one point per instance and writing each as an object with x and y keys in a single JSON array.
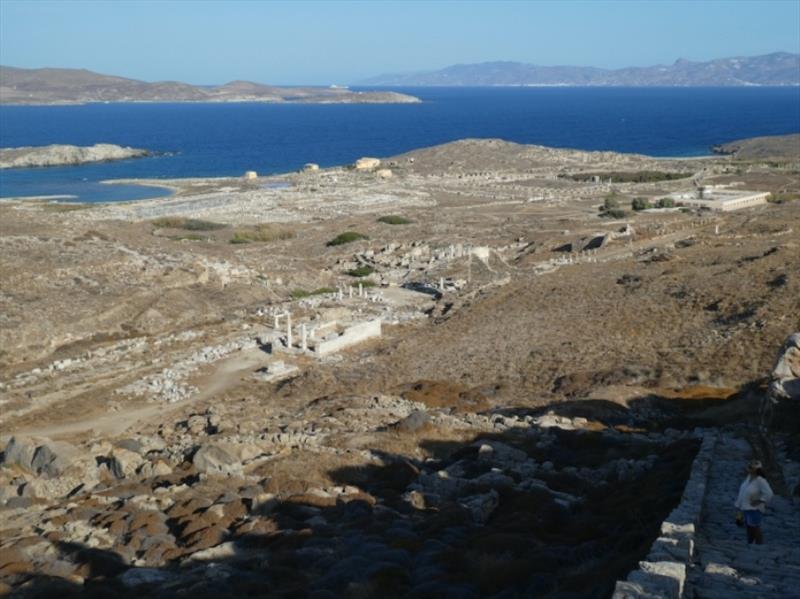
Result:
[{"x": 225, "y": 139}]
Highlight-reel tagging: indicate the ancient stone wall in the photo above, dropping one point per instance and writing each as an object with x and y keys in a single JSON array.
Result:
[{"x": 663, "y": 573}]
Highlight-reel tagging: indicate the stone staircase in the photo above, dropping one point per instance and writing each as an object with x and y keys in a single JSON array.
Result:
[{"x": 724, "y": 565}]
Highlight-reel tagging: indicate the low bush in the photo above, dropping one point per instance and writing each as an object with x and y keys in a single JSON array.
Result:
[
  {"x": 613, "y": 213},
  {"x": 640, "y": 204},
  {"x": 57, "y": 207},
  {"x": 361, "y": 271},
  {"x": 782, "y": 198},
  {"x": 627, "y": 177},
  {"x": 666, "y": 203},
  {"x": 261, "y": 233},
  {"x": 193, "y": 224},
  {"x": 394, "y": 219},
  {"x": 301, "y": 293},
  {"x": 188, "y": 224},
  {"x": 346, "y": 237}
]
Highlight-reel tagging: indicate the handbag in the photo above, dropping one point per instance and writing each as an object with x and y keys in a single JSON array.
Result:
[{"x": 739, "y": 519}]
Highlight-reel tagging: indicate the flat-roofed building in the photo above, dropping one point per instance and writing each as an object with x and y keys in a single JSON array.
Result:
[{"x": 721, "y": 199}]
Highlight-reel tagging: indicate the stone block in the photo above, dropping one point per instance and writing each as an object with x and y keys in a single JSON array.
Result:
[
  {"x": 632, "y": 590},
  {"x": 672, "y": 573}
]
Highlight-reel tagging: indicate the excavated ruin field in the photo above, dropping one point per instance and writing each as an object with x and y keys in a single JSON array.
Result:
[{"x": 521, "y": 427}]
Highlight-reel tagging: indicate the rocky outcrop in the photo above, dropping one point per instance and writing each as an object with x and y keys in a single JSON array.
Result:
[
  {"x": 65, "y": 155},
  {"x": 39, "y": 456},
  {"x": 786, "y": 374},
  {"x": 215, "y": 460}
]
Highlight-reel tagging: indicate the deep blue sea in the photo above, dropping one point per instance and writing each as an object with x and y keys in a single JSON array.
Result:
[{"x": 228, "y": 139}]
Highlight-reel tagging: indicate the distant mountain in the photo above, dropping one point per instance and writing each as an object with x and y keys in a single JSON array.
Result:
[
  {"x": 78, "y": 86},
  {"x": 779, "y": 68}
]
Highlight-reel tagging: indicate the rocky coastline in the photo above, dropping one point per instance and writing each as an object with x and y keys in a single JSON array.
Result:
[{"x": 66, "y": 155}]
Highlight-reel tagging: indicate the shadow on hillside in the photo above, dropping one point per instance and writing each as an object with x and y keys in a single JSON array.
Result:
[
  {"x": 658, "y": 411},
  {"x": 559, "y": 533}
]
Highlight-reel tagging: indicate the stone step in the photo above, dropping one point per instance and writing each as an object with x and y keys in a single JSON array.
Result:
[{"x": 725, "y": 566}]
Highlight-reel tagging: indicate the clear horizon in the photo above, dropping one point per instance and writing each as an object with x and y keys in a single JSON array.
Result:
[{"x": 322, "y": 43}]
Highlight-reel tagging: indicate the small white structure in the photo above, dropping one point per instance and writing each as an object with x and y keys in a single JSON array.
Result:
[
  {"x": 721, "y": 199},
  {"x": 250, "y": 175},
  {"x": 310, "y": 166},
  {"x": 367, "y": 164}
]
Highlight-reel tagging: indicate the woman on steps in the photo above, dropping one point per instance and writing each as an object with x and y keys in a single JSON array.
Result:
[{"x": 754, "y": 493}]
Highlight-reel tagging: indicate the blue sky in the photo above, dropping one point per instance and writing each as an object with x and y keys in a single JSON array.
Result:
[{"x": 340, "y": 42}]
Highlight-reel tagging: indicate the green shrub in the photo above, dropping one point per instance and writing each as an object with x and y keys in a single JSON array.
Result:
[
  {"x": 613, "y": 213},
  {"x": 188, "y": 224},
  {"x": 361, "y": 271},
  {"x": 193, "y": 224},
  {"x": 640, "y": 204},
  {"x": 394, "y": 219},
  {"x": 301, "y": 293},
  {"x": 346, "y": 237},
  {"x": 168, "y": 222},
  {"x": 610, "y": 202},
  {"x": 627, "y": 177},
  {"x": 666, "y": 203},
  {"x": 782, "y": 198},
  {"x": 261, "y": 233},
  {"x": 59, "y": 207}
]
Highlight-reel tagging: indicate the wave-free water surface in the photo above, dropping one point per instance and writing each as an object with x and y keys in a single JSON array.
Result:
[{"x": 215, "y": 140}]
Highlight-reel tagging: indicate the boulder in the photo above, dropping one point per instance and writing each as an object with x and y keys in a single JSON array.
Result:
[
  {"x": 124, "y": 462},
  {"x": 156, "y": 468},
  {"x": 495, "y": 452},
  {"x": 367, "y": 164},
  {"x": 41, "y": 456},
  {"x": 212, "y": 459},
  {"x": 19, "y": 452},
  {"x": 481, "y": 506},
  {"x": 786, "y": 373},
  {"x": 415, "y": 421}
]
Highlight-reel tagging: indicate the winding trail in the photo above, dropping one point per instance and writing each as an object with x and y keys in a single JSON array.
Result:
[{"x": 726, "y": 567}]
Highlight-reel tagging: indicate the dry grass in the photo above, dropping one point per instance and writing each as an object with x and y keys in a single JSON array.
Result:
[
  {"x": 58, "y": 208},
  {"x": 264, "y": 233},
  {"x": 187, "y": 224}
]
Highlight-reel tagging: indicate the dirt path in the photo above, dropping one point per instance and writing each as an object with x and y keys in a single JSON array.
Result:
[{"x": 225, "y": 375}]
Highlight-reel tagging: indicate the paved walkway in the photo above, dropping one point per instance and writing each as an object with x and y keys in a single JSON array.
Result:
[{"x": 726, "y": 567}]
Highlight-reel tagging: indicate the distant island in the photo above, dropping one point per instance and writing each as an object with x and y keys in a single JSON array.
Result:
[
  {"x": 79, "y": 86},
  {"x": 776, "y": 69},
  {"x": 65, "y": 155}
]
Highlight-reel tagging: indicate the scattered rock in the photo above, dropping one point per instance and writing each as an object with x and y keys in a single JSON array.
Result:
[
  {"x": 481, "y": 506},
  {"x": 414, "y": 422},
  {"x": 214, "y": 460},
  {"x": 41, "y": 456},
  {"x": 123, "y": 462}
]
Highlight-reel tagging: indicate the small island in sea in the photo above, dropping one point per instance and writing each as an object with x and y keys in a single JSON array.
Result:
[
  {"x": 79, "y": 86},
  {"x": 66, "y": 155}
]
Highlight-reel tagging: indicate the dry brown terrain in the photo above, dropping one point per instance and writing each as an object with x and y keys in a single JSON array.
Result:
[{"x": 533, "y": 356}]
